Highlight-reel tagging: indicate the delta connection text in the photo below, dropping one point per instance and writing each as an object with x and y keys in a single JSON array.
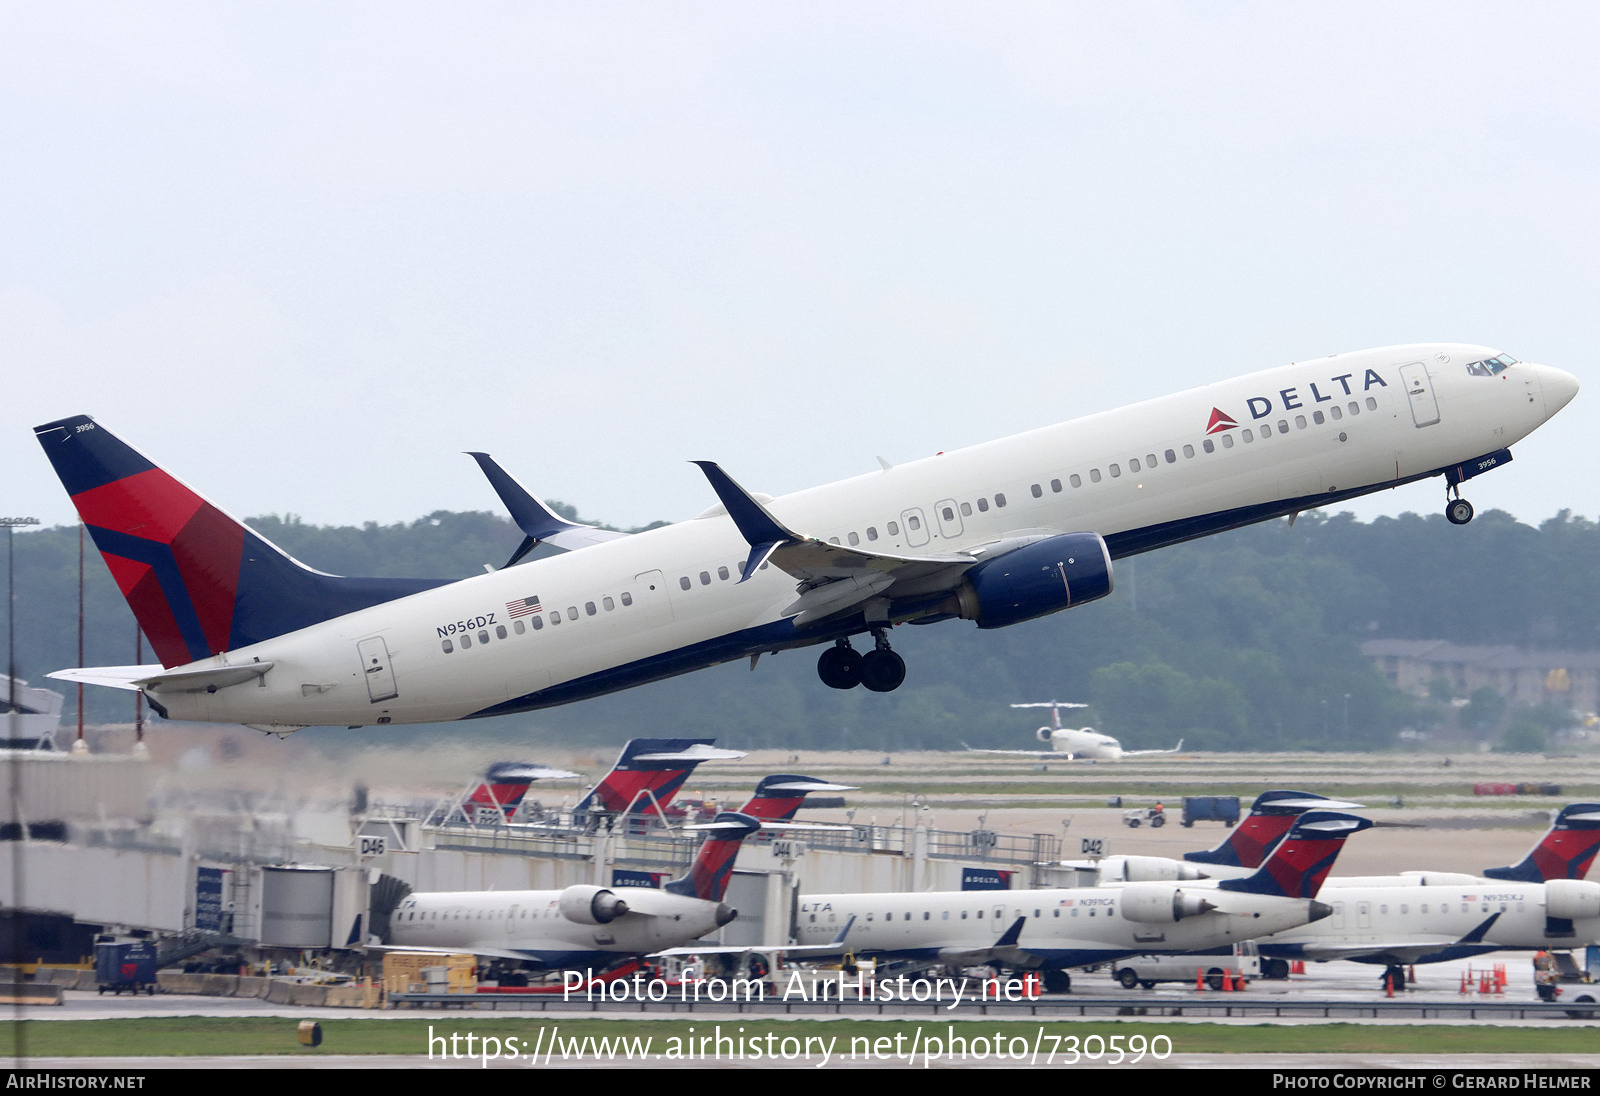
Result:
[{"x": 582, "y": 986}]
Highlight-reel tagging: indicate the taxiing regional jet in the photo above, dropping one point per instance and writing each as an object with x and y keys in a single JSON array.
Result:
[{"x": 996, "y": 533}]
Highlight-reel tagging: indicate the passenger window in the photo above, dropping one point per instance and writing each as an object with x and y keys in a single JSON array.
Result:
[
  {"x": 608, "y": 603},
  {"x": 999, "y": 500},
  {"x": 872, "y": 532},
  {"x": 1055, "y": 485},
  {"x": 1075, "y": 479},
  {"x": 1038, "y": 492},
  {"x": 538, "y": 622},
  {"x": 966, "y": 509},
  {"x": 1133, "y": 465},
  {"x": 1094, "y": 475},
  {"x": 1372, "y": 403},
  {"x": 483, "y": 636},
  {"x": 1227, "y": 441},
  {"x": 500, "y": 631},
  {"x": 894, "y": 528},
  {"x": 913, "y": 523},
  {"x": 466, "y": 643},
  {"x": 983, "y": 506},
  {"x": 1266, "y": 430},
  {"x": 627, "y": 598},
  {"x": 1188, "y": 451},
  {"x": 949, "y": 513},
  {"x": 855, "y": 538},
  {"x": 1355, "y": 408},
  {"x": 1150, "y": 460},
  {"x": 1283, "y": 426},
  {"x": 588, "y": 608},
  {"x": 1317, "y": 417},
  {"x": 833, "y": 540},
  {"x": 1209, "y": 445},
  {"x": 518, "y": 627},
  {"x": 1299, "y": 422},
  {"x": 705, "y": 576},
  {"x": 684, "y": 582},
  {"x": 1335, "y": 413},
  {"x": 1172, "y": 458},
  {"x": 1115, "y": 470},
  {"x": 448, "y": 646},
  {"x": 722, "y": 572},
  {"x": 555, "y": 617},
  {"x": 572, "y": 612},
  {"x": 1248, "y": 437}
]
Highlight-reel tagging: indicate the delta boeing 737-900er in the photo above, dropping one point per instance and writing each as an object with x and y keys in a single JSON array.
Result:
[{"x": 996, "y": 533}]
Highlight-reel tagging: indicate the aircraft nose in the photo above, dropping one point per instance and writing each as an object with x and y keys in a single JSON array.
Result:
[{"x": 1559, "y": 388}]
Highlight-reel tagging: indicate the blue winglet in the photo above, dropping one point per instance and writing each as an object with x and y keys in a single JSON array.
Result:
[
  {"x": 763, "y": 532},
  {"x": 532, "y": 516}
]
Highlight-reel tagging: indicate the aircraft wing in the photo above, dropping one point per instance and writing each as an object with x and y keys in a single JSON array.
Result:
[
  {"x": 1400, "y": 952},
  {"x": 539, "y": 523},
  {"x": 1004, "y": 950},
  {"x": 1041, "y": 755},
  {"x": 835, "y": 946},
  {"x": 491, "y": 953},
  {"x": 833, "y": 577},
  {"x": 1149, "y": 753}
]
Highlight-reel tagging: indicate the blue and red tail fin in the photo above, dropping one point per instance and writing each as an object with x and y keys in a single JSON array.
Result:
[
  {"x": 777, "y": 798},
  {"x": 497, "y": 797},
  {"x": 1565, "y": 852},
  {"x": 1270, "y": 817},
  {"x": 1302, "y": 860},
  {"x": 712, "y": 869},
  {"x": 198, "y": 581},
  {"x": 649, "y": 772}
]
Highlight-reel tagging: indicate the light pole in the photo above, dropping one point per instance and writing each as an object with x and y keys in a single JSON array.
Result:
[{"x": 11, "y": 612}]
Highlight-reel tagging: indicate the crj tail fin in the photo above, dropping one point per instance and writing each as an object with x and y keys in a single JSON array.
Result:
[
  {"x": 1297, "y": 867},
  {"x": 709, "y": 874},
  {"x": 496, "y": 799},
  {"x": 649, "y": 773},
  {"x": 777, "y": 798},
  {"x": 1269, "y": 819},
  {"x": 1565, "y": 851},
  {"x": 198, "y": 581}
]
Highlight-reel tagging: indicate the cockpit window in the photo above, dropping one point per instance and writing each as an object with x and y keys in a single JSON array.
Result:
[{"x": 1491, "y": 366}]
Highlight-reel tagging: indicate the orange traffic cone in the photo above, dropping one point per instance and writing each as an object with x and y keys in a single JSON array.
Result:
[
  {"x": 1227, "y": 981},
  {"x": 1199, "y": 980}
]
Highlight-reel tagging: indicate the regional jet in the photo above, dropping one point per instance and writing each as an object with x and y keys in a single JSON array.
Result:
[{"x": 997, "y": 533}]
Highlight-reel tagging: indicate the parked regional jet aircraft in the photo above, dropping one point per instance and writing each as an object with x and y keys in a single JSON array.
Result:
[
  {"x": 582, "y": 925},
  {"x": 1051, "y": 930},
  {"x": 1074, "y": 743},
  {"x": 997, "y": 533}
]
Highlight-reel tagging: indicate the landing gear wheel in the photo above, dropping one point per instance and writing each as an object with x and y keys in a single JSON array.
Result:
[
  {"x": 840, "y": 667},
  {"x": 1459, "y": 511},
  {"x": 882, "y": 670},
  {"x": 1057, "y": 981},
  {"x": 1393, "y": 976},
  {"x": 1128, "y": 978}
]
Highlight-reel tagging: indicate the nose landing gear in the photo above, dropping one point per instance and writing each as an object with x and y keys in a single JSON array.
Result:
[
  {"x": 880, "y": 669},
  {"x": 1456, "y": 509}
]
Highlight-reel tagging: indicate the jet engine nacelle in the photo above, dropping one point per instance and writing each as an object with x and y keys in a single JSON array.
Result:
[
  {"x": 1150, "y": 904},
  {"x": 1039, "y": 578},
  {"x": 1148, "y": 869},
  {"x": 1571, "y": 899},
  {"x": 589, "y": 905}
]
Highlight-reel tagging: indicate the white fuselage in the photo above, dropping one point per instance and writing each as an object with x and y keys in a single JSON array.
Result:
[
  {"x": 1082, "y": 742},
  {"x": 663, "y": 602},
  {"x": 1415, "y": 924},
  {"x": 1061, "y": 928},
  {"x": 533, "y": 926}
]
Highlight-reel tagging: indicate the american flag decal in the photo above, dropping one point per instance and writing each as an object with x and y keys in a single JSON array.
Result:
[{"x": 523, "y": 606}]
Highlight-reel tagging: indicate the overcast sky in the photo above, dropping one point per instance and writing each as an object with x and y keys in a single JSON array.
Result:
[{"x": 305, "y": 254}]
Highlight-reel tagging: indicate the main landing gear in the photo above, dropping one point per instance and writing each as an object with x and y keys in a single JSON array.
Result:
[
  {"x": 1457, "y": 509},
  {"x": 880, "y": 669}
]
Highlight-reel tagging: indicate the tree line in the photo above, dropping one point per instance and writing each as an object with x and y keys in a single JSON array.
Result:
[{"x": 1245, "y": 640}]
